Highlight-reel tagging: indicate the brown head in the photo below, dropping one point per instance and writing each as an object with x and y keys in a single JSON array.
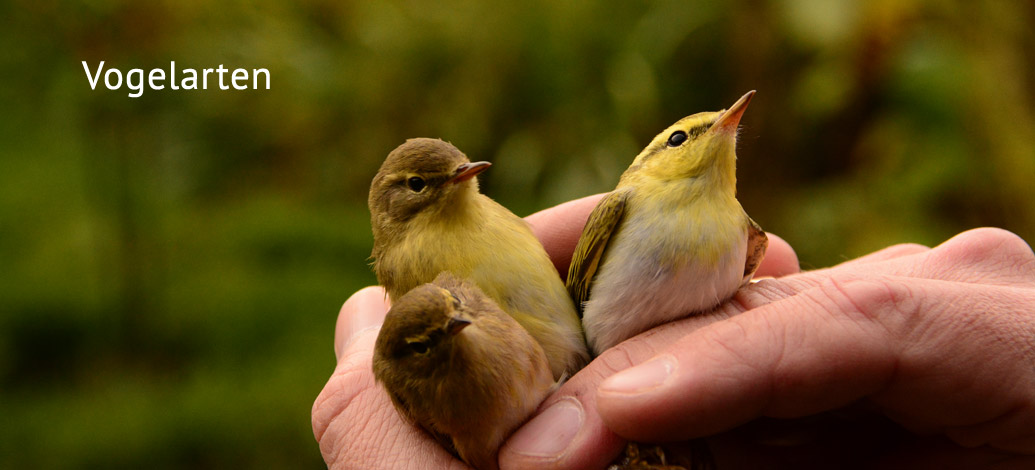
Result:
[
  {"x": 421, "y": 174},
  {"x": 422, "y": 330}
]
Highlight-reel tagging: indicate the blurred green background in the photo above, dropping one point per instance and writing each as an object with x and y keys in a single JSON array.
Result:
[{"x": 174, "y": 263}]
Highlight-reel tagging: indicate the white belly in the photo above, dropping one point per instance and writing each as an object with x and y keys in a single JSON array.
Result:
[{"x": 631, "y": 294}]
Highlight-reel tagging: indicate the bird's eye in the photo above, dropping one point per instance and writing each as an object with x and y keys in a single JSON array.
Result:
[
  {"x": 416, "y": 183},
  {"x": 418, "y": 347},
  {"x": 676, "y": 139}
]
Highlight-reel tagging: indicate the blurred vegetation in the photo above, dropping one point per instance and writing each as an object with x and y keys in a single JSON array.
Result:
[{"x": 175, "y": 263}]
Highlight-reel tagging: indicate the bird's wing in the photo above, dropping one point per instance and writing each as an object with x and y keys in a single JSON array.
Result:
[
  {"x": 757, "y": 243},
  {"x": 590, "y": 249}
]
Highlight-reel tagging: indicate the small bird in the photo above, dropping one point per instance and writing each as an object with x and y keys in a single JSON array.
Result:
[
  {"x": 461, "y": 368},
  {"x": 428, "y": 217},
  {"x": 671, "y": 240}
]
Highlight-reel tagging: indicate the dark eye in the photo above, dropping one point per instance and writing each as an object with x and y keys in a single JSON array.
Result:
[
  {"x": 676, "y": 139},
  {"x": 419, "y": 347},
  {"x": 416, "y": 183}
]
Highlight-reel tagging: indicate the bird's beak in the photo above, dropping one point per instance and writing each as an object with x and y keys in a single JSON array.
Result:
[
  {"x": 455, "y": 325},
  {"x": 469, "y": 170},
  {"x": 729, "y": 120}
]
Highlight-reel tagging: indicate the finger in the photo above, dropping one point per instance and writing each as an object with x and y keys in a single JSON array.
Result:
[
  {"x": 780, "y": 259},
  {"x": 789, "y": 358},
  {"x": 965, "y": 368},
  {"x": 981, "y": 256},
  {"x": 559, "y": 228},
  {"x": 568, "y": 432},
  {"x": 356, "y": 330},
  {"x": 902, "y": 343},
  {"x": 984, "y": 255},
  {"x": 565, "y": 434},
  {"x": 363, "y": 313}
]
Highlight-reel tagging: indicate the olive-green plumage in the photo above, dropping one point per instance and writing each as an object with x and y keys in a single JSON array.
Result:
[
  {"x": 671, "y": 239},
  {"x": 458, "y": 366},
  {"x": 428, "y": 217}
]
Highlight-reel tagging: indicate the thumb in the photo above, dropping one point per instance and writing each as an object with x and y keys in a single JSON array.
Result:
[
  {"x": 358, "y": 323},
  {"x": 801, "y": 355},
  {"x": 361, "y": 315}
]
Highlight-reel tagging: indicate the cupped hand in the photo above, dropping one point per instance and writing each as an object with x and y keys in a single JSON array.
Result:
[
  {"x": 938, "y": 342},
  {"x": 353, "y": 418}
]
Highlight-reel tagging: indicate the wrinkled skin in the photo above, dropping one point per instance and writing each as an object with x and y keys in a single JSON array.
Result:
[{"x": 909, "y": 356}]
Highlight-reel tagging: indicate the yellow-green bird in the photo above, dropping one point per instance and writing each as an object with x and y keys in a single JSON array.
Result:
[
  {"x": 671, "y": 239},
  {"x": 428, "y": 217},
  {"x": 460, "y": 367}
]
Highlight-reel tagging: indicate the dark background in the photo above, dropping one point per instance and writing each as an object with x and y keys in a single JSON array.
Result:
[{"x": 173, "y": 264}]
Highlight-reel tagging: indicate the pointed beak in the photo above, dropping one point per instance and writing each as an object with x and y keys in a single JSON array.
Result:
[
  {"x": 469, "y": 170},
  {"x": 729, "y": 120},
  {"x": 456, "y": 325}
]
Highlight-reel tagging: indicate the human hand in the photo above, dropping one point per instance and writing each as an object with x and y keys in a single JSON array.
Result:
[
  {"x": 353, "y": 419},
  {"x": 941, "y": 341}
]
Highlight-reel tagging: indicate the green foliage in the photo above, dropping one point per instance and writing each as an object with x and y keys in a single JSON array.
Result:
[{"x": 174, "y": 263}]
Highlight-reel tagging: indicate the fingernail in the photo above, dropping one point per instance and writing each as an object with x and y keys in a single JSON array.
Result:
[
  {"x": 364, "y": 311},
  {"x": 549, "y": 433},
  {"x": 642, "y": 378}
]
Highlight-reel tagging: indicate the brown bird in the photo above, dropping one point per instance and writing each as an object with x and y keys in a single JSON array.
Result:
[{"x": 461, "y": 368}]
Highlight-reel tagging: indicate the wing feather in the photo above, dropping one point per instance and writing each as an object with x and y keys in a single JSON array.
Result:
[
  {"x": 592, "y": 244},
  {"x": 756, "y": 246}
]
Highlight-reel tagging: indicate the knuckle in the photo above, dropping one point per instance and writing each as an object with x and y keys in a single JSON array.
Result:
[
  {"x": 615, "y": 359},
  {"x": 998, "y": 237},
  {"x": 732, "y": 338},
  {"x": 624, "y": 355},
  {"x": 985, "y": 245},
  {"x": 879, "y": 299}
]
